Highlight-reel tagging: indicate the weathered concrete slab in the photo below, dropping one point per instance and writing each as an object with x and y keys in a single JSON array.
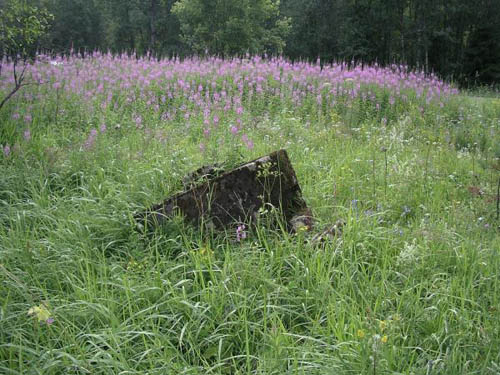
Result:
[{"x": 235, "y": 196}]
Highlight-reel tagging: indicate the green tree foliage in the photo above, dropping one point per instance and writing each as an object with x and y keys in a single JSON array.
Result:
[
  {"x": 21, "y": 27},
  {"x": 231, "y": 27},
  {"x": 140, "y": 26},
  {"x": 439, "y": 36},
  {"x": 166, "y": 32},
  {"x": 78, "y": 25},
  {"x": 456, "y": 38},
  {"x": 482, "y": 55},
  {"x": 126, "y": 25}
]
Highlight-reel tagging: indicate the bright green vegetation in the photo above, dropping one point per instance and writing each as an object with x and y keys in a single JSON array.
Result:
[{"x": 412, "y": 286}]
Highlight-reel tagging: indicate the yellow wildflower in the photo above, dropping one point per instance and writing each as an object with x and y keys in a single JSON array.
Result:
[
  {"x": 41, "y": 313},
  {"x": 361, "y": 333},
  {"x": 384, "y": 339},
  {"x": 206, "y": 251},
  {"x": 382, "y": 325}
]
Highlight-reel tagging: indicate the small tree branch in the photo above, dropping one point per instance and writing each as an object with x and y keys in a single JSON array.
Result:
[
  {"x": 15, "y": 73},
  {"x": 22, "y": 76},
  {"x": 14, "y": 90},
  {"x": 18, "y": 83}
]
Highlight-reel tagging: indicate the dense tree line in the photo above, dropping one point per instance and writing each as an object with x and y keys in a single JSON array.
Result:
[{"x": 459, "y": 39}]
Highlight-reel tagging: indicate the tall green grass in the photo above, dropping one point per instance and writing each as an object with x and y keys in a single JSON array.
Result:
[{"x": 412, "y": 286}]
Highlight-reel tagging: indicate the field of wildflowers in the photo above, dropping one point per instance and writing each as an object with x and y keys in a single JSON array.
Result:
[{"x": 406, "y": 160}]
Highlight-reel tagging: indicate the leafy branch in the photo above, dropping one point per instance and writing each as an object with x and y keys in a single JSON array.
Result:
[{"x": 21, "y": 27}]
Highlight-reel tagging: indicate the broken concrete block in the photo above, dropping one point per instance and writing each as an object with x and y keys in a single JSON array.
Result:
[
  {"x": 229, "y": 197},
  {"x": 207, "y": 172}
]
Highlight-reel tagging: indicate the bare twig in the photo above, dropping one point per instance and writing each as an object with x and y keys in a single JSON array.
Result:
[
  {"x": 18, "y": 83},
  {"x": 15, "y": 75},
  {"x": 9, "y": 96}
]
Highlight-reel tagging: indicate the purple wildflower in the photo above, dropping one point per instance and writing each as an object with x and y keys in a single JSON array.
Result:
[
  {"x": 90, "y": 141},
  {"x": 138, "y": 122},
  {"x": 247, "y": 141},
  {"x": 6, "y": 150},
  {"x": 240, "y": 233},
  {"x": 27, "y": 135},
  {"x": 354, "y": 204},
  {"x": 406, "y": 211}
]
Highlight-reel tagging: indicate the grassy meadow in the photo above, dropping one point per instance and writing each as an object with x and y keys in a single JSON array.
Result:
[{"x": 410, "y": 163}]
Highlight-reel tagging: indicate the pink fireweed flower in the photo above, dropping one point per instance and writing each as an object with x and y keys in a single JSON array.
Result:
[
  {"x": 103, "y": 128},
  {"x": 247, "y": 141},
  {"x": 27, "y": 118},
  {"x": 160, "y": 136},
  {"x": 138, "y": 122},
  {"x": 6, "y": 150},
  {"x": 27, "y": 135},
  {"x": 216, "y": 120},
  {"x": 234, "y": 130},
  {"x": 240, "y": 233},
  {"x": 16, "y": 116},
  {"x": 90, "y": 141}
]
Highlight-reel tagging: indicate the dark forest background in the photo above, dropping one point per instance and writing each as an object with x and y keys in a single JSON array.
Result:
[{"x": 458, "y": 39}]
